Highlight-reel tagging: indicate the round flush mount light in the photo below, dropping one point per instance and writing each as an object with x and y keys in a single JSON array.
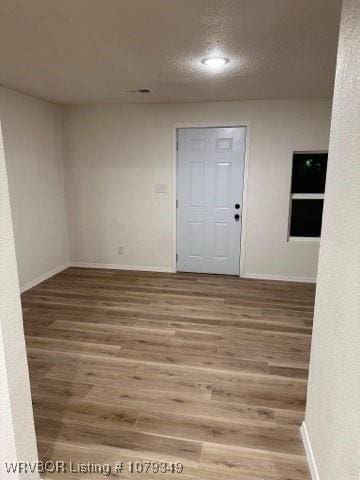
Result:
[{"x": 215, "y": 62}]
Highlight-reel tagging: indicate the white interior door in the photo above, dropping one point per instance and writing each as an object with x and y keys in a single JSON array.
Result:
[{"x": 210, "y": 180}]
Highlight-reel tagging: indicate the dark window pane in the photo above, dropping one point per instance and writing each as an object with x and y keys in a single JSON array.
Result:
[
  {"x": 306, "y": 216},
  {"x": 309, "y": 172}
]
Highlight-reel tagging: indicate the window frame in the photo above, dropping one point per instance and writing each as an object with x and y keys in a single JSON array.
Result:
[{"x": 302, "y": 196}]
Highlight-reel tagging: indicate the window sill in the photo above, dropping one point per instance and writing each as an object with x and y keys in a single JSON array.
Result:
[{"x": 304, "y": 239}]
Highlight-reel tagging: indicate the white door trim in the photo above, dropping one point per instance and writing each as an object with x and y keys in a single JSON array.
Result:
[{"x": 234, "y": 124}]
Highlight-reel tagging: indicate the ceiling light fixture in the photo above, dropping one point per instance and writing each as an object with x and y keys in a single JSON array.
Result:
[{"x": 215, "y": 62}]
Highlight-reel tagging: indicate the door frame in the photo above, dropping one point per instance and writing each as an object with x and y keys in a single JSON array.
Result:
[{"x": 235, "y": 124}]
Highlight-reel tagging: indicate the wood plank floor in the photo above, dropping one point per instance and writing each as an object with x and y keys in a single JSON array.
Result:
[{"x": 209, "y": 371}]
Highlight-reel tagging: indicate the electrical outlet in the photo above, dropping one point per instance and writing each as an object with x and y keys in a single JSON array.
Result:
[{"x": 120, "y": 250}]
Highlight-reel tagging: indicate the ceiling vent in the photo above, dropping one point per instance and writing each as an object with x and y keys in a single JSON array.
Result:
[{"x": 137, "y": 91}]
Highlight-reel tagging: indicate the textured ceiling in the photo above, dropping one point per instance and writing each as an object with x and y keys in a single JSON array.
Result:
[{"x": 89, "y": 51}]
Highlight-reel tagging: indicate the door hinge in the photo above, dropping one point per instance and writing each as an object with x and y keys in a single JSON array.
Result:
[
  {"x": 177, "y": 203},
  {"x": 177, "y": 145},
  {"x": 177, "y": 256}
]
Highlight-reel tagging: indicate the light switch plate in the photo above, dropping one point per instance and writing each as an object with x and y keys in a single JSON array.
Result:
[{"x": 161, "y": 188}]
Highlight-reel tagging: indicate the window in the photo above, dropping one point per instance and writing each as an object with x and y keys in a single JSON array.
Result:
[{"x": 307, "y": 194}]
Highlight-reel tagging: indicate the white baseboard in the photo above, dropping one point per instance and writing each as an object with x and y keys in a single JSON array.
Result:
[
  {"x": 114, "y": 266},
  {"x": 309, "y": 452},
  {"x": 282, "y": 278},
  {"x": 43, "y": 277},
  {"x": 143, "y": 268}
]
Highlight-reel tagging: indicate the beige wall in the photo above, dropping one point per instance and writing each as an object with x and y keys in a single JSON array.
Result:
[
  {"x": 333, "y": 407},
  {"x": 17, "y": 435},
  {"x": 33, "y": 146},
  {"x": 114, "y": 156}
]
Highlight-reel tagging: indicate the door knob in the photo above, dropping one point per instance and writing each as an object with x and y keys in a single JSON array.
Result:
[
  {"x": 237, "y": 206},
  {"x": 237, "y": 217}
]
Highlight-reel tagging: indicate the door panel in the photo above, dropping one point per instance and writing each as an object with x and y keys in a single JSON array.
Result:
[
  {"x": 220, "y": 248},
  {"x": 222, "y": 185},
  {"x": 196, "y": 235},
  {"x": 210, "y": 183},
  {"x": 197, "y": 184}
]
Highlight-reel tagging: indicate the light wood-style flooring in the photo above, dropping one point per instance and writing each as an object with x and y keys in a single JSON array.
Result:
[{"x": 205, "y": 370}]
